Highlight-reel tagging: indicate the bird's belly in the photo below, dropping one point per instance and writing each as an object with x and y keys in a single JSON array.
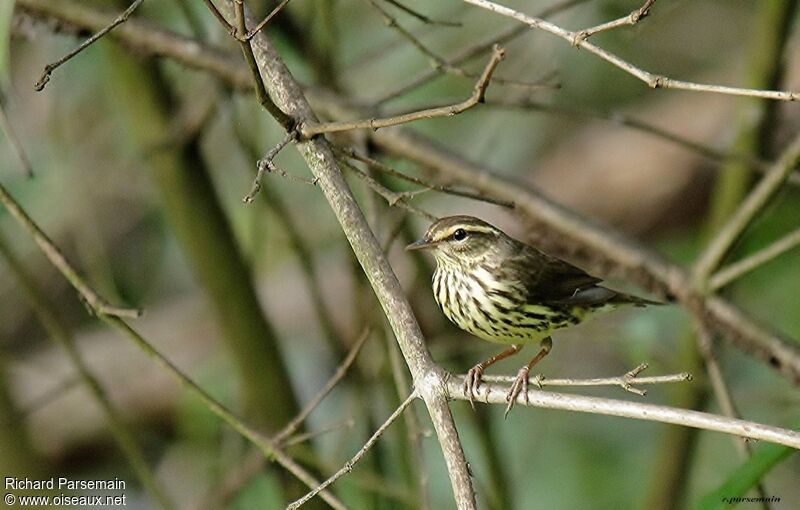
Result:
[{"x": 497, "y": 315}]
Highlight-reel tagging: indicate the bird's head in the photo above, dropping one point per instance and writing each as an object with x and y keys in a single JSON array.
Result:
[{"x": 463, "y": 240}]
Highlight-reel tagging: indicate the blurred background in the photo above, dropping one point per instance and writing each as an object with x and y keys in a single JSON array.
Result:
[{"x": 140, "y": 168}]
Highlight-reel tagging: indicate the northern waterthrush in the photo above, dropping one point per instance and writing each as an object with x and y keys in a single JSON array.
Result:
[{"x": 508, "y": 292}]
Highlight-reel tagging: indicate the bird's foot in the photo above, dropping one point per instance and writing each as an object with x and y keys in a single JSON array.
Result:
[
  {"x": 520, "y": 385},
  {"x": 472, "y": 381}
]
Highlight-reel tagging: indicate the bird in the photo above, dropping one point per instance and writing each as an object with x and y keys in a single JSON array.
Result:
[{"x": 508, "y": 292}]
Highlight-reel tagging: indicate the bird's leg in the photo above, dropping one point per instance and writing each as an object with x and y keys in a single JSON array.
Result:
[
  {"x": 473, "y": 378},
  {"x": 520, "y": 384}
]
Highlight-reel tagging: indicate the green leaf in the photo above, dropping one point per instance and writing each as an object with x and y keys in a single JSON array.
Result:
[{"x": 745, "y": 477}]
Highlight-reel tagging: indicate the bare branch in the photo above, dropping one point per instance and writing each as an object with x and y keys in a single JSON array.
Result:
[
  {"x": 386, "y": 169},
  {"x": 393, "y": 198},
  {"x": 247, "y": 50},
  {"x": 337, "y": 376},
  {"x": 49, "y": 68},
  {"x": 266, "y": 20},
  {"x": 266, "y": 165},
  {"x": 631, "y": 19},
  {"x": 607, "y": 251},
  {"x": 747, "y": 211},
  {"x": 472, "y": 51},
  {"x": 627, "y": 381},
  {"x": 309, "y": 130},
  {"x": 652, "y": 80},
  {"x": 621, "y": 119},
  {"x": 97, "y": 303},
  {"x": 422, "y": 17},
  {"x": 730, "y": 273},
  {"x": 348, "y": 466},
  {"x": 496, "y": 394}
]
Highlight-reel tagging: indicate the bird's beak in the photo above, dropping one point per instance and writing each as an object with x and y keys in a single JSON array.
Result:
[{"x": 422, "y": 244}]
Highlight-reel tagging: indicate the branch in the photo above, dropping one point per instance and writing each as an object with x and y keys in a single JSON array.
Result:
[
  {"x": 423, "y": 18},
  {"x": 471, "y": 52},
  {"x": 386, "y": 169},
  {"x": 428, "y": 377},
  {"x": 730, "y": 273},
  {"x": 247, "y": 50},
  {"x": 758, "y": 198},
  {"x": 621, "y": 119},
  {"x": 496, "y": 394},
  {"x": 309, "y": 130},
  {"x": 111, "y": 316},
  {"x": 606, "y": 251},
  {"x": 652, "y": 80},
  {"x": 97, "y": 303},
  {"x": 55, "y": 327},
  {"x": 393, "y": 198},
  {"x": 337, "y": 376},
  {"x": 626, "y": 381},
  {"x": 348, "y": 466},
  {"x": 49, "y": 68},
  {"x": 631, "y": 19}
]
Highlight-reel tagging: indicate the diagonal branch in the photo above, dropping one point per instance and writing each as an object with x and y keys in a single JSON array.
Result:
[
  {"x": 631, "y": 19},
  {"x": 97, "y": 303},
  {"x": 309, "y": 130},
  {"x": 758, "y": 198},
  {"x": 49, "y": 68},
  {"x": 652, "y": 80},
  {"x": 348, "y": 466},
  {"x": 730, "y": 273}
]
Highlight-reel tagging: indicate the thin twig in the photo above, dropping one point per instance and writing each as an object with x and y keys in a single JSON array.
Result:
[
  {"x": 111, "y": 316},
  {"x": 621, "y": 119},
  {"x": 606, "y": 251},
  {"x": 337, "y": 376},
  {"x": 393, "y": 198},
  {"x": 423, "y": 18},
  {"x": 413, "y": 428},
  {"x": 734, "y": 271},
  {"x": 49, "y": 68},
  {"x": 631, "y": 19},
  {"x": 267, "y": 447},
  {"x": 496, "y": 394},
  {"x": 97, "y": 303},
  {"x": 652, "y": 80},
  {"x": 266, "y": 20},
  {"x": 213, "y": 8},
  {"x": 348, "y": 466},
  {"x": 386, "y": 169},
  {"x": 266, "y": 165},
  {"x": 307, "y": 436},
  {"x": 758, "y": 198},
  {"x": 626, "y": 381},
  {"x": 13, "y": 139},
  {"x": 247, "y": 50},
  {"x": 309, "y": 130},
  {"x": 471, "y": 52},
  {"x": 441, "y": 64},
  {"x": 50, "y": 319}
]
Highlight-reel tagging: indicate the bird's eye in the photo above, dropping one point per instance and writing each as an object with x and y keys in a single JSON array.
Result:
[{"x": 460, "y": 234}]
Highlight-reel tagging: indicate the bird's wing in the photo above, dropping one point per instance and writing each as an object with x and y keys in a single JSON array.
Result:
[{"x": 554, "y": 281}]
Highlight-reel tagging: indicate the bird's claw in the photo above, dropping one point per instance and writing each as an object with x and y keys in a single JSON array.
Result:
[
  {"x": 520, "y": 385},
  {"x": 471, "y": 383}
]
